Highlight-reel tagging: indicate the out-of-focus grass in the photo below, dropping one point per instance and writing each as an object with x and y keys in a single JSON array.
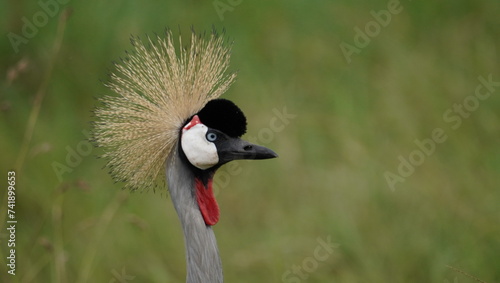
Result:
[{"x": 352, "y": 123}]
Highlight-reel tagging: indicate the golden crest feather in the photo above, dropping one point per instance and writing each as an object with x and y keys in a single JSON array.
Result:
[{"x": 157, "y": 89}]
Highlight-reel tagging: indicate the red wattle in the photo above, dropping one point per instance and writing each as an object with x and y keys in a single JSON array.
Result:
[{"x": 206, "y": 201}]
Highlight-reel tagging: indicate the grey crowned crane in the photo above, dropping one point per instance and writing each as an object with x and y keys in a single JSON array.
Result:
[{"x": 166, "y": 118}]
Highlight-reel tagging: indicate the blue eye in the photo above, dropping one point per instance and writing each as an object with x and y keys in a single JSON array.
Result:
[{"x": 211, "y": 136}]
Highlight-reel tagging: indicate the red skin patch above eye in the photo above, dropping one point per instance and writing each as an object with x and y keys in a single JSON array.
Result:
[
  {"x": 206, "y": 202},
  {"x": 195, "y": 121}
]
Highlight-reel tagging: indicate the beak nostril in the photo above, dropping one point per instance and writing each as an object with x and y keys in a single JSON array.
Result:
[{"x": 247, "y": 147}]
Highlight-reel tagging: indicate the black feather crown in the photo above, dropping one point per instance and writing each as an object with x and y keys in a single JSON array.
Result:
[{"x": 223, "y": 115}]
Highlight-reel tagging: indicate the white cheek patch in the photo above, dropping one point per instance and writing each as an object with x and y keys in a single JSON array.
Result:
[{"x": 200, "y": 152}]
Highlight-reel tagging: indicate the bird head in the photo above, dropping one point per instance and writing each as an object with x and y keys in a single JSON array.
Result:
[{"x": 211, "y": 138}]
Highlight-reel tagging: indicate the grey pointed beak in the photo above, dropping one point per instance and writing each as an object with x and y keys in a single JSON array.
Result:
[{"x": 236, "y": 148}]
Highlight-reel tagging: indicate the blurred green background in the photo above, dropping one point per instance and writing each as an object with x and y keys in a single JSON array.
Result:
[{"x": 356, "y": 117}]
